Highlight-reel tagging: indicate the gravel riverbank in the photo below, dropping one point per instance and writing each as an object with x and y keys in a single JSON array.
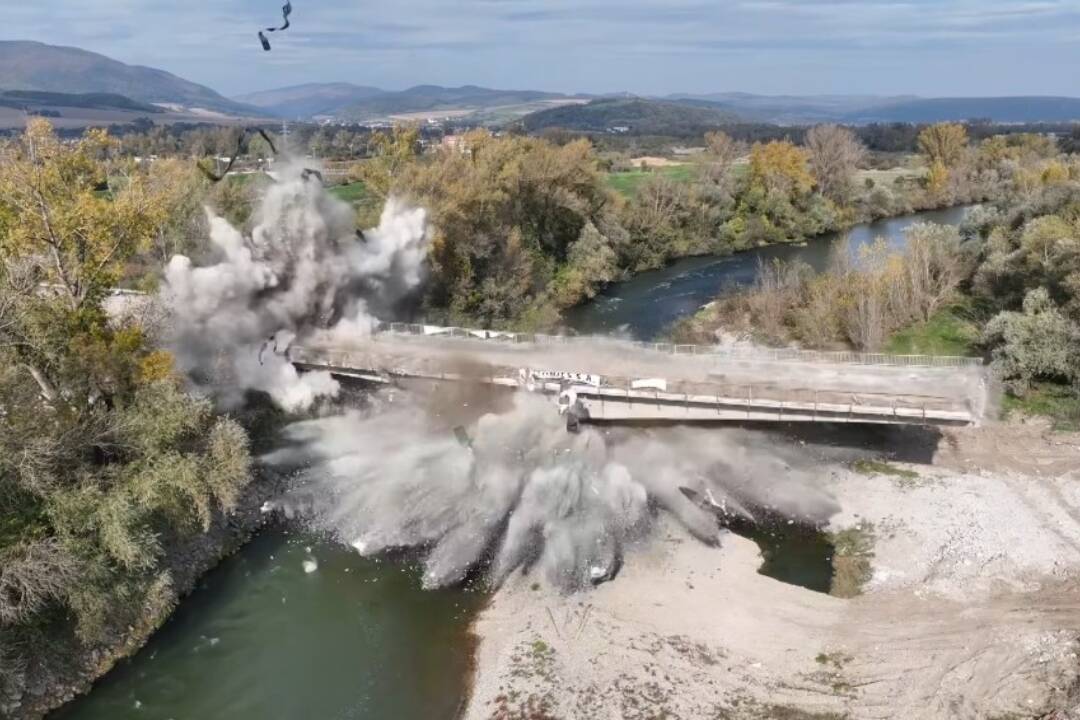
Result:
[{"x": 972, "y": 609}]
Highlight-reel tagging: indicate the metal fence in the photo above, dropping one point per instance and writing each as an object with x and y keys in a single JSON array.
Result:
[{"x": 717, "y": 351}]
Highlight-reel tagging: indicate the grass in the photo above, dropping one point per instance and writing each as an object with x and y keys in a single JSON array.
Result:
[
  {"x": 353, "y": 193},
  {"x": 22, "y": 523},
  {"x": 1059, "y": 403},
  {"x": 877, "y": 467},
  {"x": 947, "y": 332},
  {"x": 851, "y": 560},
  {"x": 628, "y": 182}
]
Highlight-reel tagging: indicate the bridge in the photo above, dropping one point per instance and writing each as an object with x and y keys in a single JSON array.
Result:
[{"x": 611, "y": 380}]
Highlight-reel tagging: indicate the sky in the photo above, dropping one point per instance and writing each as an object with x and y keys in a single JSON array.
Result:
[{"x": 655, "y": 47}]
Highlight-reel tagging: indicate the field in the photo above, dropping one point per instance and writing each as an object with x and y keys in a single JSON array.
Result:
[
  {"x": 887, "y": 177},
  {"x": 352, "y": 193},
  {"x": 75, "y": 118},
  {"x": 627, "y": 182}
]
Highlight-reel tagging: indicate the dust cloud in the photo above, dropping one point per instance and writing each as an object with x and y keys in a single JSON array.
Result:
[
  {"x": 522, "y": 492},
  {"x": 303, "y": 268},
  {"x": 512, "y": 489}
]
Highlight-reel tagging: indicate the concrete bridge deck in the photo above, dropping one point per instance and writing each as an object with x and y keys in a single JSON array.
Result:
[{"x": 619, "y": 380}]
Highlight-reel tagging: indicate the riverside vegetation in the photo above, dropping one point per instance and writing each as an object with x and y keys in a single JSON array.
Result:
[
  {"x": 526, "y": 228},
  {"x": 105, "y": 462},
  {"x": 1006, "y": 283}
]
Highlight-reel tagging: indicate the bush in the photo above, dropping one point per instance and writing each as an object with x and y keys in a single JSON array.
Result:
[{"x": 1039, "y": 343}]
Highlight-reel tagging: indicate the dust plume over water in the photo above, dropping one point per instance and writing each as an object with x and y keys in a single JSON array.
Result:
[{"x": 522, "y": 492}]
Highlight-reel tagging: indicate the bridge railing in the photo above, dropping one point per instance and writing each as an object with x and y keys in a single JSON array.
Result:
[{"x": 717, "y": 351}]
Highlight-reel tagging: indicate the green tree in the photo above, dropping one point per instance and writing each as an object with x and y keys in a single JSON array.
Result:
[
  {"x": 506, "y": 214},
  {"x": 391, "y": 153},
  {"x": 1039, "y": 343}
]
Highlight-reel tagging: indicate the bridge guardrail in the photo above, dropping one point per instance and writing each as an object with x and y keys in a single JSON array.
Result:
[{"x": 731, "y": 353}]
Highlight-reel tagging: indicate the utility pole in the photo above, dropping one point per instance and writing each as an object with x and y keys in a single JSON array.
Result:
[{"x": 284, "y": 136}]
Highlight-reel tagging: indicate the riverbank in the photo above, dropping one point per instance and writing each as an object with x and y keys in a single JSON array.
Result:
[
  {"x": 651, "y": 302},
  {"x": 54, "y": 681},
  {"x": 970, "y": 611}
]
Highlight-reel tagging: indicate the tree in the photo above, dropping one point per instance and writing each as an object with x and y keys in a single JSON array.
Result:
[
  {"x": 508, "y": 215},
  {"x": 104, "y": 460},
  {"x": 943, "y": 143},
  {"x": 720, "y": 157},
  {"x": 780, "y": 167},
  {"x": 835, "y": 155},
  {"x": 68, "y": 239},
  {"x": 932, "y": 270},
  {"x": 1070, "y": 144},
  {"x": 390, "y": 154}
]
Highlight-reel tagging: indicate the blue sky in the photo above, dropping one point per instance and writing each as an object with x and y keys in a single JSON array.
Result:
[{"x": 924, "y": 47}]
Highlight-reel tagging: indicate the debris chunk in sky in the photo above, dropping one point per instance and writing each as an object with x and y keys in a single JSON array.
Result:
[{"x": 286, "y": 10}]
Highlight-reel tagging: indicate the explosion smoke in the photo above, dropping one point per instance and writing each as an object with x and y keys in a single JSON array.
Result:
[
  {"x": 526, "y": 492},
  {"x": 303, "y": 268},
  {"x": 521, "y": 493}
]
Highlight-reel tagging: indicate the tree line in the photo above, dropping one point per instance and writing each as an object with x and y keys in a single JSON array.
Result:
[{"x": 526, "y": 227}]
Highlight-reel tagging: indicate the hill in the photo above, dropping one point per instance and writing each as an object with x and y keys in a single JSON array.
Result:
[
  {"x": 26, "y": 65},
  {"x": 998, "y": 109},
  {"x": 433, "y": 99},
  {"x": 638, "y": 116},
  {"x": 789, "y": 109},
  {"x": 863, "y": 109},
  {"x": 32, "y": 100},
  {"x": 311, "y": 99}
]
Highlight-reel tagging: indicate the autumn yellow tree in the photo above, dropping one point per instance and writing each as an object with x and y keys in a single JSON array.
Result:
[
  {"x": 70, "y": 238},
  {"x": 780, "y": 167},
  {"x": 390, "y": 154},
  {"x": 943, "y": 143}
]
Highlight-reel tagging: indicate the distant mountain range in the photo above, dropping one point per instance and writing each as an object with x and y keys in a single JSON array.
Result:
[
  {"x": 862, "y": 109},
  {"x": 26, "y": 65},
  {"x": 344, "y": 101},
  {"x": 357, "y": 102},
  {"x": 998, "y": 109},
  {"x": 310, "y": 100},
  {"x": 81, "y": 79},
  {"x": 637, "y": 115}
]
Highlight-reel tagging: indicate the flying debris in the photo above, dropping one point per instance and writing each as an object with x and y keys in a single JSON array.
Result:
[
  {"x": 241, "y": 142},
  {"x": 463, "y": 438},
  {"x": 286, "y": 10}
]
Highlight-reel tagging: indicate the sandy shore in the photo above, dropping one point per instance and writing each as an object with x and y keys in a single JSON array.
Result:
[{"x": 973, "y": 609}]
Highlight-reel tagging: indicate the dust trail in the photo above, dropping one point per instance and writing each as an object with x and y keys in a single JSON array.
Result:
[
  {"x": 303, "y": 268},
  {"x": 524, "y": 492}
]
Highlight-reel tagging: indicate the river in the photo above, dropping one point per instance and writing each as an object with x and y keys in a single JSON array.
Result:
[
  {"x": 264, "y": 637},
  {"x": 650, "y": 302}
]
